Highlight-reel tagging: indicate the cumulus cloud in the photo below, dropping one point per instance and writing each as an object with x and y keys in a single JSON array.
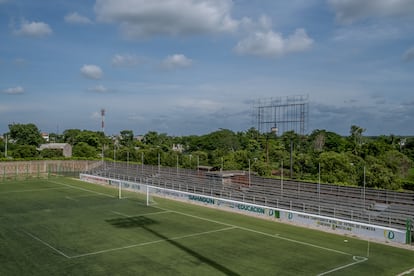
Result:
[
  {"x": 409, "y": 54},
  {"x": 76, "y": 18},
  {"x": 349, "y": 11},
  {"x": 176, "y": 61},
  {"x": 14, "y": 90},
  {"x": 125, "y": 60},
  {"x": 91, "y": 71},
  {"x": 142, "y": 18},
  {"x": 33, "y": 29},
  {"x": 99, "y": 89},
  {"x": 271, "y": 44}
]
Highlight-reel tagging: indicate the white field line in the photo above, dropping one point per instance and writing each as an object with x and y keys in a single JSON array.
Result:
[
  {"x": 145, "y": 214},
  {"x": 277, "y": 236},
  {"x": 151, "y": 242},
  {"x": 71, "y": 198},
  {"x": 33, "y": 190},
  {"x": 406, "y": 272},
  {"x": 82, "y": 189},
  {"x": 356, "y": 259},
  {"x": 48, "y": 245}
]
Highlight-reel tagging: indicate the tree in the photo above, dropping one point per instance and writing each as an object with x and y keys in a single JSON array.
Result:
[
  {"x": 25, "y": 151},
  {"x": 25, "y": 134},
  {"x": 91, "y": 138},
  {"x": 69, "y": 136},
  {"x": 82, "y": 149},
  {"x": 127, "y": 138},
  {"x": 51, "y": 153}
]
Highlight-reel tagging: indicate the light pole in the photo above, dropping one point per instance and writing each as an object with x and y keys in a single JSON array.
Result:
[
  {"x": 319, "y": 188},
  {"x": 5, "y": 146},
  {"x": 364, "y": 185},
  {"x": 291, "y": 159},
  {"x": 281, "y": 180},
  {"x": 250, "y": 178}
]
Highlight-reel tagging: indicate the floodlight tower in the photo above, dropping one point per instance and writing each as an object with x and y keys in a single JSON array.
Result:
[{"x": 103, "y": 120}]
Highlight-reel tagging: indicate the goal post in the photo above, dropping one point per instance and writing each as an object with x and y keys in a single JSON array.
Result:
[{"x": 149, "y": 198}]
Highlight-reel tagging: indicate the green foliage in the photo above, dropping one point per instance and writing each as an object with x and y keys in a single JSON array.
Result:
[
  {"x": 337, "y": 168},
  {"x": 24, "y": 151},
  {"x": 82, "y": 149},
  {"x": 51, "y": 153},
  {"x": 127, "y": 138},
  {"x": 25, "y": 134}
]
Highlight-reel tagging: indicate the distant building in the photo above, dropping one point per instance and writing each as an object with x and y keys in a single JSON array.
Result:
[
  {"x": 64, "y": 147},
  {"x": 178, "y": 148},
  {"x": 139, "y": 138},
  {"x": 45, "y": 136}
]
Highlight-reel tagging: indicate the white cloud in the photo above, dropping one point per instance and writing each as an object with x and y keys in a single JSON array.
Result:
[
  {"x": 19, "y": 62},
  {"x": 99, "y": 89},
  {"x": 176, "y": 61},
  {"x": 409, "y": 54},
  {"x": 14, "y": 90},
  {"x": 76, "y": 18},
  {"x": 349, "y": 11},
  {"x": 141, "y": 18},
  {"x": 91, "y": 71},
  {"x": 271, "y": 44},
  {"x": 34, "y": 29},
  {"x": 125, "y": 60}
]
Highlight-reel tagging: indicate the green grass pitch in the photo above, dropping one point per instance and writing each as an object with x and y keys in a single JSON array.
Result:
[{"x": 61, "y": 226}]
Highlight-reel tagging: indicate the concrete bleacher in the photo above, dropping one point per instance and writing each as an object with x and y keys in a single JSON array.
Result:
[{"x": 386, "y": 208}]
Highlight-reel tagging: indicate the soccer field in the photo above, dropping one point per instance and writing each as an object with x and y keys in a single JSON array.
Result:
[{"x": 61, "y": 226}]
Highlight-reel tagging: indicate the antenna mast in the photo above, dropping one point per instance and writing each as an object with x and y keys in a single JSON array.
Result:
[{"x": 103, "y": 120}]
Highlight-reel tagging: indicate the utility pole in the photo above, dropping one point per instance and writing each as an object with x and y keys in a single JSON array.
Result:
[
  {"x": 291, "y": 159},
  {"x": 5, "y": 146}
]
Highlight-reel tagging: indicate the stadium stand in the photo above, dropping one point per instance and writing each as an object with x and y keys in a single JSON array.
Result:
[{"x": 380, "y": 207}]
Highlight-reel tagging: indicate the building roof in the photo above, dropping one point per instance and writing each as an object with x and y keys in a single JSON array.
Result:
[{"x": 54, "y": 146}]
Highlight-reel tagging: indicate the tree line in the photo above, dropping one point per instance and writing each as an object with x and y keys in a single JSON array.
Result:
[{"x": 381, "y": 162}]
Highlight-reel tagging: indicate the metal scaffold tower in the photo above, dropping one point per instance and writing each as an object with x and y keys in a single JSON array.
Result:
[{"x": 283, "y": 113}]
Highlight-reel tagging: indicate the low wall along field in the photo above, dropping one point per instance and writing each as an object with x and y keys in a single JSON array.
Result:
[{"x": 42, "y": 168}]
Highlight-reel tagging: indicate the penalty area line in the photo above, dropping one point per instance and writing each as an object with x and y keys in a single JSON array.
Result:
[
  {"x": 276, "y": 236},
  {"x": 46, "y": 244},
  {"x": 406, "y": 272},
  {"x": 151, "y": 242},
  {"x": 357, "y": 260}
]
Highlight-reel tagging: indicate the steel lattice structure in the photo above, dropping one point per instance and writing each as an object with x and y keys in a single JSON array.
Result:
[{"x": 282, "y": 114}]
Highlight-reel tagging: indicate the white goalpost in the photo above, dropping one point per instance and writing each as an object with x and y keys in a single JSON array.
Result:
[{"x": 133, "y": 187}]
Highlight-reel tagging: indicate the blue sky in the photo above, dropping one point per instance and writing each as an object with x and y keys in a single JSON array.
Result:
[{"x": 193, "y": 66}]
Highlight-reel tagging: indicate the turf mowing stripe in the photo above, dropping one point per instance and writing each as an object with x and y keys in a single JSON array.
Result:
[
  {"x": 356, "y": 259},
  {"x": 151, "y": 242},
  {"x": 261, "y": 233},
  {"x": 48, "y": 245},
  {"x": 33, "y": 190}
]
